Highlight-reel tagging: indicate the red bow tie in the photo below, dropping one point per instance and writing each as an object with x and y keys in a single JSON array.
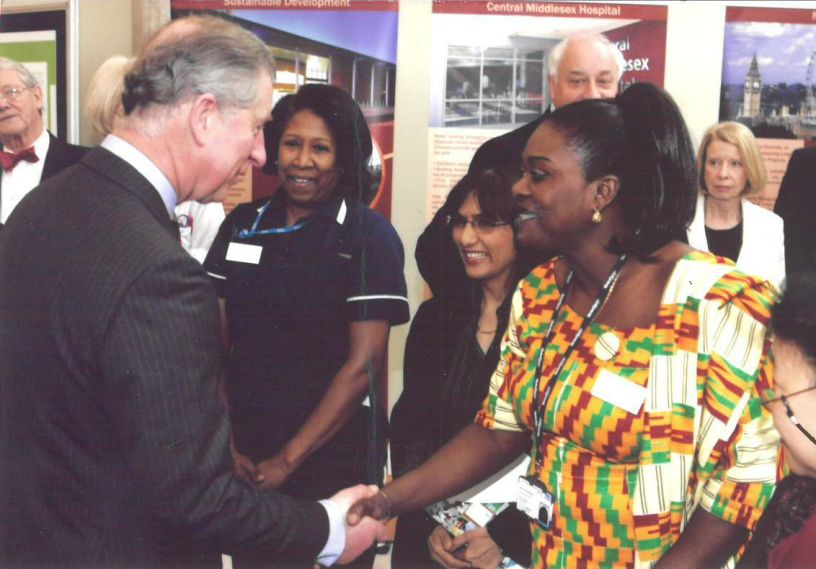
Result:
[{"x": 9, "y": 159}]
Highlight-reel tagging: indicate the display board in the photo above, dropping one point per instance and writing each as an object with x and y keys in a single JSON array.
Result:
[
  {"x": 769, "y": 56},
  {"x": 350, "y": 44},
  {"x": 489, "y": 68}
]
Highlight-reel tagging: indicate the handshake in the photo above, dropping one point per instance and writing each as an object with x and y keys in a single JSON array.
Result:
[{"x": 365, "y": 511}]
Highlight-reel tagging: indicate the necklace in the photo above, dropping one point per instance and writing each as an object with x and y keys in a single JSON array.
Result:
[{"x": 485, "y": 331}]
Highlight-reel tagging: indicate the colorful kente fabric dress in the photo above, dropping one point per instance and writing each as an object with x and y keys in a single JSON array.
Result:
[{"x": 644, "y": 424}]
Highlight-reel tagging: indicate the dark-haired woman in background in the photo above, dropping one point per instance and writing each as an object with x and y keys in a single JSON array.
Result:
[
  {"x": 310, "y": 282},
  {"x": 633, "y": 362},
  {"x": 793, "y": 404},
  {"x": 451, "y": 352}
]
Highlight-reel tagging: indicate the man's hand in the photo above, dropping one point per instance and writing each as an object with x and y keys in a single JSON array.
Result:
[
  {"x": 366, "y": 530},
  {"x": 272, "y": 473},
  {"x": 440, "y": 546}
]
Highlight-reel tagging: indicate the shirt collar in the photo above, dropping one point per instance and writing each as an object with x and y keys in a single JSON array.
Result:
[
  {"x": 145, "y": 167},
  {"x": 42, "y": 144}
]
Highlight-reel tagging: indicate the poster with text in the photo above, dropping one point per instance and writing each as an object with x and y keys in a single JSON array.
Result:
[
  {"x": 767, "y": 83},
  {"x": 351, "y": 44},
  {"x": 489, "y": 68}
]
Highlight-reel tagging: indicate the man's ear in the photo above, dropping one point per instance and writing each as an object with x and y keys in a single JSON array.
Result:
[
  {"x": 38, "y": 97},
  {"x": 550, "y": 84},
  {"x": 606, "y": 190},
  {"x": 203, "y": 117}
]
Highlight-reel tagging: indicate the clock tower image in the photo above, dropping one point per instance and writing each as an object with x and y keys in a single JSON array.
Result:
[{"x": 753, "y": 90}]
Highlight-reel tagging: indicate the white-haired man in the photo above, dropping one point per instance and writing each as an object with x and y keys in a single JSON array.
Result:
[
  {"x": 114, "y": 439},
  {"x": 580, "y": 67},
  {"x": 29, "y": 154}
]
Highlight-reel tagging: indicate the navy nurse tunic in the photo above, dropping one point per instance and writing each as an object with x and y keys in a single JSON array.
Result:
[{"x": 289, "y": 299}]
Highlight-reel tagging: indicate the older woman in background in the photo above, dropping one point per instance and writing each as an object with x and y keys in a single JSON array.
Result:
[
  {"x": 198, "y": 223},
  {"x": 730, "y": 169}
]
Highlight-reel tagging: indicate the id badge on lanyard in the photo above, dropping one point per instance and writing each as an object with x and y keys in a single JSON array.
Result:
[{"x": 535, "y": 500}]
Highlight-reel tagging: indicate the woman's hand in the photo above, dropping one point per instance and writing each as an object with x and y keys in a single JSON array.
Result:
[
  {"x": 478, "y": 549},
  {"x": 243, "y": 468},
  {"x": 273, "y": 472},
  {"x": 440, "y": 545}
]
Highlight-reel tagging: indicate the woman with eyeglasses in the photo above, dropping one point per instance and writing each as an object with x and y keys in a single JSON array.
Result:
[
  {"x": 632, "y": 364},
  {"x": 793, "y": 405},
  {"x": 451, "y": 352}
]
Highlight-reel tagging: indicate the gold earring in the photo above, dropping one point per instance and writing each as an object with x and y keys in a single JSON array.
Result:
[{"x": 597, "y": 217}]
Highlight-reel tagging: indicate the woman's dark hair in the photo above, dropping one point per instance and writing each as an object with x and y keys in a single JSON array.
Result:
[
  {"x": 345, "y": 121},
  {"x": 493, "y": 190},
  {"x": 641, "y": 138},
  {"x": 794, "y": 317}
]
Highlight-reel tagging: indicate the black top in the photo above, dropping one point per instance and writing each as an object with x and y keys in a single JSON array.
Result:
[
  {"x": 289, "y": 312},
  {"x": 445, "y": 381},
  {"x": 725, "y": 242}
]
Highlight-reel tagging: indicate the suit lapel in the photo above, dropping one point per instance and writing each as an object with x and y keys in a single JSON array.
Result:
[
  {"x": 52, "y": 163},
  {"x": 120, "y": 172}
]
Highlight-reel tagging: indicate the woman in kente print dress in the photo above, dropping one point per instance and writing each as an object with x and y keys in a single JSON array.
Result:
[{"x": 648, "y": 358}]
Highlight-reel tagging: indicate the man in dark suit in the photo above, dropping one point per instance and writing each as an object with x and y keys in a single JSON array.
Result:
[
  {"x": 113, "y": 439},
  {"x": 796, "y": 205},
  {"x": 581, "y": 67},
  {"x": 29, "y": 154}
]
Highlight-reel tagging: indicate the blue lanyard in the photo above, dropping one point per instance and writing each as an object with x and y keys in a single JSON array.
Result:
[
  {"x": 540, "y": 408},
  {"x": 246, "y": 234}
]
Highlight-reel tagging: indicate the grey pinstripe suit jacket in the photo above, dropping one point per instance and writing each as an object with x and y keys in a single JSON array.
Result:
[{"x": 112, "y": 434}]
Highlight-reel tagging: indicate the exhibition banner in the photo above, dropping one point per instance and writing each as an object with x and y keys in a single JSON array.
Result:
[
  {"x": 489, "y": 69},
  {"x": 351, "y": 44},
  {"x": 768, "y": 71}
]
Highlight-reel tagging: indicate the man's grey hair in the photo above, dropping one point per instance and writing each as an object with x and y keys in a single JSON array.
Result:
[
  {"x": 26, "y": 77},
  {"x": 558, "y": 52},
  {"x": 194, "y": 56}
]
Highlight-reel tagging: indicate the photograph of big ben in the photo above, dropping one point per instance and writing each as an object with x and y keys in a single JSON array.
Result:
[{"x": 768, "y": 73}]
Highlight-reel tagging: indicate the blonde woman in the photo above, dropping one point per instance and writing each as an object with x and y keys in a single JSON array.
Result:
[
  {"x": 730, "y": 168},
  {"x": 198, "y": 223}
]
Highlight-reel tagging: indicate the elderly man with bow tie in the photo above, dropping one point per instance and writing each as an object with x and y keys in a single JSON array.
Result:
[{"x": 29, "y": 153}]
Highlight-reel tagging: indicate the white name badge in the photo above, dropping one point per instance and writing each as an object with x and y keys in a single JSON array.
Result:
[
  {"x": 619, "y": 391},
  {"x": 244, "y": 253}
]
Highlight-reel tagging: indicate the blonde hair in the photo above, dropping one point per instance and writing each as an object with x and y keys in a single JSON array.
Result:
[
  {"x": 740, "y": 136},
  {"x": 103, "y": 101}
]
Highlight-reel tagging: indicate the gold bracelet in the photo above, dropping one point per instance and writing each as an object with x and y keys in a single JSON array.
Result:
[{"x": 387, "y": 501}]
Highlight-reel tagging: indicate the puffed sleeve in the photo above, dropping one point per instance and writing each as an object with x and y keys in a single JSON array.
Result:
[
  {"x": 738, "y": 445},
  {"x": 378, "y": 290},
  {"x": 497, "y": 410}
]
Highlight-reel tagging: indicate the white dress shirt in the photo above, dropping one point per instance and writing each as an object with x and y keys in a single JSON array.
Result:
[{"x": 25, "y": 177}]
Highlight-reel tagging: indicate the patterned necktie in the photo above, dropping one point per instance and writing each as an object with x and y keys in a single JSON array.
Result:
[{"x": 9, "y": 159}]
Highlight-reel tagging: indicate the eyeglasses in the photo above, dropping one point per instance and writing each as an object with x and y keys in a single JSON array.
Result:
[
  {"x": 789, "y": 411},
  {"x": 14, "y": 94},
  {"x": 479, "y": 223}
]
